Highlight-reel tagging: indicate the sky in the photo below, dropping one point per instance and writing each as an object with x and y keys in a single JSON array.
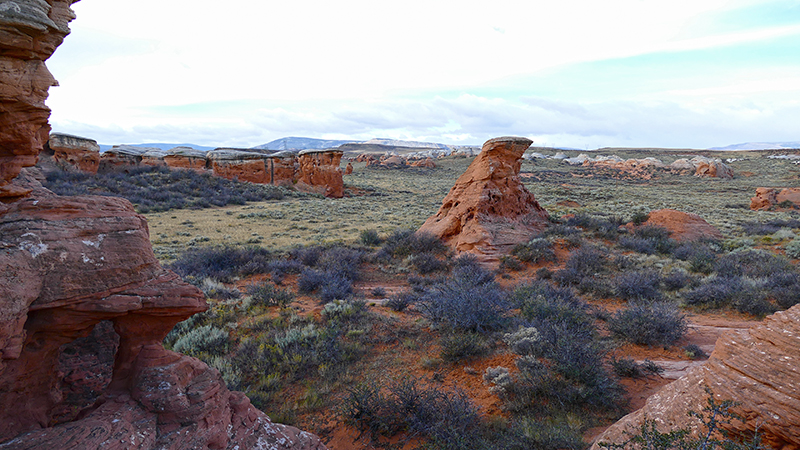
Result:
[{"x": 570, "y": 73}]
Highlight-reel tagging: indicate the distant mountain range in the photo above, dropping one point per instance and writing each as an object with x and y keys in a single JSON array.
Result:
[
  {"x": 162, "y": 146},
  {"x": 760, "y": 146},
  {"x": 302, "y": 143}
]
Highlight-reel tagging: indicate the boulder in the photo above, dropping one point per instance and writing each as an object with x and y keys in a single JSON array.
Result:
[
  {"x": 488, "y": 211},
  {"x": 74, "y": 154},
  {"x": 320, "y": 172},
  {"x": 774, "y": 199},
  {"x": 711, "y": 167},
  {"x": 30, "y": 32},
  {"x": 683, "y": 227},
  {"x": 186, "y": 158},
  {"x": 122, "y": 157},
  {"x": 756, "y": 368},
  {"x": 348, "y": 169},
  {"x": 427, "y": 163},
  {"x": 682, "y": 165}
]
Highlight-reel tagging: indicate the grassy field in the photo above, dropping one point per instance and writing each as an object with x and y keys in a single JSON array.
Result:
[{"x": 384, "y": 200}]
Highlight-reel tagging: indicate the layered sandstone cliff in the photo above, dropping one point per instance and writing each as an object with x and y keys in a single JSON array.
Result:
[
  {"x": 320, "y": 173},
  {"x": 488, "y": 211},
  {"x": 71, "y": 267}
]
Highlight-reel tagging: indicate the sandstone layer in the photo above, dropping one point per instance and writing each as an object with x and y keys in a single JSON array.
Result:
[
  {"x": 757, "y": 368},
  {"x": 320, "y": 172},
  {"x": 122, "y": 157},
  {"x": 489, "y": 210},
  {"x": 73, "y": 153},
  {"x": 683, "y": 227},
  {"x": 775, "y": 199},
  {"x": 29, "y": 33},
  {"x": 186, "y": 158}
]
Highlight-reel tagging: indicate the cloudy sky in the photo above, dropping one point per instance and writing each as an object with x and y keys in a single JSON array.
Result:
[{"x": 572, "y": 73}]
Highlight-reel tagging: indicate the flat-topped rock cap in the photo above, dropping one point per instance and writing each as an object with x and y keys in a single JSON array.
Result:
[
  {"x": 186, "y": 151},
  {"x": 129, "y": 150},
  {"x": 60, "y": 137},
  {"x": 234, "y": 155},
  {"x": 508, "y": 139},
  {"x": 316, "y": 150}
]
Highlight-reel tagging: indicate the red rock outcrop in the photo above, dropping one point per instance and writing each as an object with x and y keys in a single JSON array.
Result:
[
  {"x": 71, "y": 266},
  {"x": 30, "y": 32},
  {"x": 240, "y": 165},
  {"x": 284, "y": 168},
  {"x": 774, "y": 199},
  {"x": 489, "y": 210},
  {"x": 154, "y": 157},
  {"x": 186, "y": 158},
  {"x": 684, "y": 227},
  {"x": 711, "y": 167},
  {"x": 348, "y": 169},
  {"x": 427, "y": 163},
  {"x": 73, "y": 153},
  {"x": 122, "y": 157},
  {"x": 320, "y": 172},
  {"x": 756, "y": 367}
]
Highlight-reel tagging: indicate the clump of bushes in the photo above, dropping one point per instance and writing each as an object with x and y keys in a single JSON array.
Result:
[
  {"x": 534, "y": 251},
  {"x": 649, "y": 323},
  {"x": 448, "y": 419},
  {"x": 648, "y": 239},
  {"x": 468, "y": 300},
  {"x": 638, "y": 285},
  {"x": 206, "y": 339},
  {"x": 156, "y": 189},
  {"x": 460, "y": 346},
  {"x": 267, "y": 294},
  {"x": 404, "y": 243},
  {"x": 222, "y": 263}
]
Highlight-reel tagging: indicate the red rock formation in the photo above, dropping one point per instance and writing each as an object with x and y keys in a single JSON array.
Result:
[
  {"x": 320, "y": 173},
  {"x": 349, "y": 169},
  {"x": 240, "y": 165},
  {"x": 122, "y": 157},
  {"x": 711, "y": 167},
  {"x": 73, "y": 153},
  {"x": 427, "y": 163},
  {"x": 70, "y": 263},
  {"x": 283, "y": 168},
  {"x": 773, "y": 199},
  {"x": 488, "y": 211},
  {"x": 756, "y": 367},
  {"x": 154, "y": 157},
  {"x": 186, "y": 158},
  {"x": 30, "y": 32},
  {"x": 683, "y": 226}
]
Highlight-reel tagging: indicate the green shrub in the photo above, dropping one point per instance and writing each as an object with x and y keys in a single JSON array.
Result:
[
  {"x": 203, "y": 340},
  {"x": 535, "y": 251},
  {"x": 792, "y": 248},
  {"x": 267, "y": 294},
  {"x": 369, "y": 238},
  {"x": 461, "y": 346}
]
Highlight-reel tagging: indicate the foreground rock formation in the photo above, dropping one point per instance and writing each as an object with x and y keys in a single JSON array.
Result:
[
  {"x": 75, "y": 266},
  {"x": 774, "y": 199},
  {"x": 73, "y": 153},
  {"x": 489, "y": 210},
  {"x": 683, "y": 227},
  {"x": 757, "y": 368}
]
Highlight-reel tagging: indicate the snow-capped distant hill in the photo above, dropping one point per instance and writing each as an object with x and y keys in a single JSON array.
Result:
[
  {"x": 760, "y": 146},
  {"x": 162, "y": 146},
  {"x": 412, "y": 144},
  {"x": 300, "y": 143}
]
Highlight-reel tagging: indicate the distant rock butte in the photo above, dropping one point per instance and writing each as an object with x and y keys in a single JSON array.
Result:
[
  {"x": 489, "y": 210},
  {"x": 71, "y": 267},
  {"x": 73, "y": 153},
  {"x": 775, "y": 199},
  {"x": 683, "y": 226},
  {"x": 757, "y": 368}
]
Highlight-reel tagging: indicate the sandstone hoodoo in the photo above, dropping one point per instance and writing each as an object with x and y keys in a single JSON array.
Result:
[
  {"x": 73, "y": 153},
  {"x": 320, "y": 172},
  {"x": 757, "y": 368},
  {"x": 775, "y": 199},
  {"x": 489, "y": 210},
  {"x": 75, "y": 266},
  {"x": 240, "y": 165},
  {"x": 683, "y": 226}
]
